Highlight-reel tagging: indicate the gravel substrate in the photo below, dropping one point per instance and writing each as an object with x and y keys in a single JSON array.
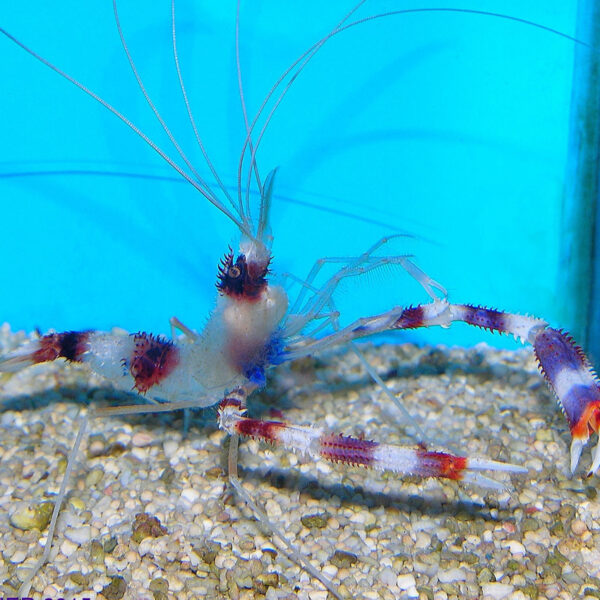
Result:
[{"x": 374, "y": 535}]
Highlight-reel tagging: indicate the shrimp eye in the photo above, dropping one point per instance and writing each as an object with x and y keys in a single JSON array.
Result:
[{"x": 239, "y": 279}]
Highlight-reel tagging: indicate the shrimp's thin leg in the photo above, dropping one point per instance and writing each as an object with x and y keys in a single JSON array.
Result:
[
  {"x": 320, "y": 263},
  {"x": 191, "y": 336},
  {"x": 333, "y": 318},
  {"x": 238, "y": 398},
  {"x": 62, "y": 492},
  {"x": 176, "y": 324},
  {"x": 302, "y": 312}
]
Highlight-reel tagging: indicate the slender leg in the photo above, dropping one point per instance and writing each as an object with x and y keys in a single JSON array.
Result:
[
  {"x": 353, "y": 266},
  {"x": 62, "y": 492},
  {"x": 176, "y": 324},
  {"x": 332, "y": 318},
  {"x": 237, "y": 399}
]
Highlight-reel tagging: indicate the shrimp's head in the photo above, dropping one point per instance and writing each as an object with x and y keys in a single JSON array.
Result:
[{"x": 244, "y": 277}]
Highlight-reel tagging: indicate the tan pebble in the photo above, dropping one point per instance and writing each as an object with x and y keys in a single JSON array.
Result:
[
  {"x": 272, "y": 508},
  {"x": 370, "y": 519},
  {"x": 423, "y": 540},
  {"x": 141, "y": 439},
  {"x": 175, "y": 584},
  {"x": 77, "y": 503},
  {"x": 50, "y": 592},
  {"x": 578, "y": 527},
  {"x": 68, "y": 548}
]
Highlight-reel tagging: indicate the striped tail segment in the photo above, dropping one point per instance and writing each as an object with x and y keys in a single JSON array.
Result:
[
  {"x": 562, "y": 362},
  {"x": 320, "y": 444}
]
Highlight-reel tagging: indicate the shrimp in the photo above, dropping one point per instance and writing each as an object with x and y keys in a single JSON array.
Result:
[{"x": 252, "y": 329}]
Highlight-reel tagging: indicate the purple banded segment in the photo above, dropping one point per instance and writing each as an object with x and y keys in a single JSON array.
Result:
[
  {"x": 347, "y": 449},
  {"x": 571, "y": 377},
  {"x": 444, "y": 314},
  {"x": 573, "y": 380},
  {"x": 486, "y": 318}
]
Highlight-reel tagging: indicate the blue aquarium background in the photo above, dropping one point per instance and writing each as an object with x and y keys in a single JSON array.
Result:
[{"x": 451, "y": 127}]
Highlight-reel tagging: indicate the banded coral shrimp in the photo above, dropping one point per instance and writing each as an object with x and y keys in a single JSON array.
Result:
[{"x": 352, "y": 427}]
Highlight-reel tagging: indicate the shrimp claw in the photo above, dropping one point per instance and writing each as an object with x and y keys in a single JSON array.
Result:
[{"x": 322, "y": 444}]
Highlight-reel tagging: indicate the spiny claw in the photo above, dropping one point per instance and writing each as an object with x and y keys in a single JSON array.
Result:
[
  {"x": 575, "y": 383},
  {"x": 596, "y": 461},
  {"x": 577, "y": 445}
]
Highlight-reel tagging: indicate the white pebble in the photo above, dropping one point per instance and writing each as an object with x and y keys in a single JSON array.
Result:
[
  {"x": 170, "y": 447},
  {"x": 387, "y": 576},
  {"x": 405, "y": 582},
  {"x": 18, "y": 557},
  {"x": 330, "y": 571},
  {"x": 190, "y": 495},
  {"x": 515, "y": 547},
  {"x": 79, "y": 535},
  {"x": 452, "y": 575},
  {"x": 496, "y": 590}
]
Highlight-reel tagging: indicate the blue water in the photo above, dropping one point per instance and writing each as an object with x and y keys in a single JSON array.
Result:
[{"x": 452, "y": 127}]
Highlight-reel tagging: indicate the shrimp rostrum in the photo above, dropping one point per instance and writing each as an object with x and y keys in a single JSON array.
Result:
[{"x": 255, "y": 326}]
